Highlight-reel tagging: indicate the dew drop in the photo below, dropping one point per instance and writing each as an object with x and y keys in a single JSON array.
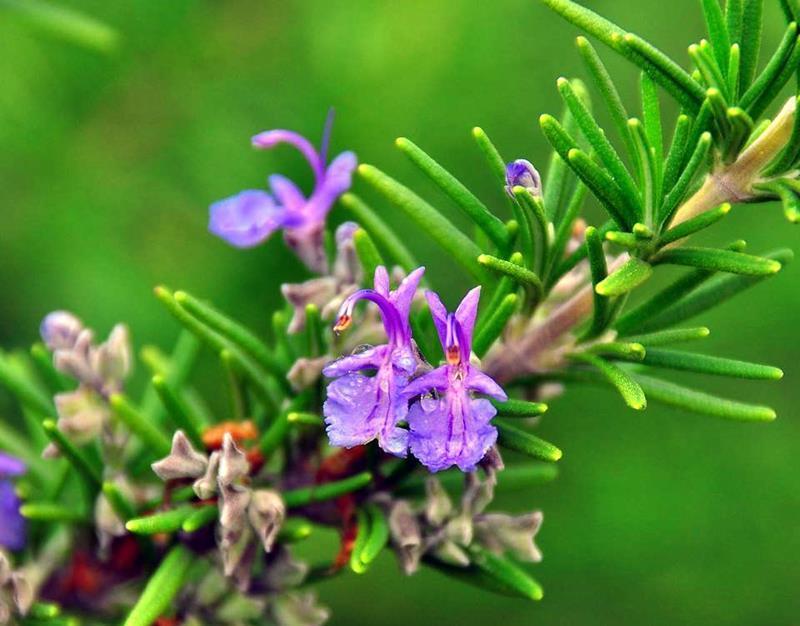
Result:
[{"x": 429, "y": 402}]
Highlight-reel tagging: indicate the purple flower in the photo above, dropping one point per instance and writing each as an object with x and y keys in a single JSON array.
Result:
[
  {"x": 448, "y": 425},
  {"x": 521, "y": 173},
  {"x": 250, "y": 217},
  {"x": 12, "y": 524},
  {"x": 362, "y": 406}
]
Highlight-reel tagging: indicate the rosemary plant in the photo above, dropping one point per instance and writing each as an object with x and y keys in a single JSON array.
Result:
[{"x": 387, "y": 422}]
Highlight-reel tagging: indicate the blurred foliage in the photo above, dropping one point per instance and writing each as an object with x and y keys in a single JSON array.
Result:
[{"x": 111, "y": 156}]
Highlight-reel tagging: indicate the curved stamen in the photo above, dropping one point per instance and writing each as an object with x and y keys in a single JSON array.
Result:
[
  {"x": 392, "y": 323},
  {"x": 271, "y": 138}
]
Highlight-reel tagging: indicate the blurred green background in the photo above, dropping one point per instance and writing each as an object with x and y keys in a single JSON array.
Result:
[{"x": 109, "y": 161}]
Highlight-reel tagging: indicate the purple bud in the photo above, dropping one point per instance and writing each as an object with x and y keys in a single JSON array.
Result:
[
  {"x": 60, "y": 330},
  {"x": 521, "y": 173}
]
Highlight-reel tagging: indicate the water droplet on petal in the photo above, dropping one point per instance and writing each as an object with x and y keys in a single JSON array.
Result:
[
  {"x": 429, "y": 402},
  {"x": 361, "y": 349}
]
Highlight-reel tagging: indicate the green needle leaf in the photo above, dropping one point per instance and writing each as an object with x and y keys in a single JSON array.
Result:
[
  {"x": 695, "y": 224},
  {"x": 326, "y": 491},
  {"x": 491, "y": 329},
  {"x": 428, "y": 219},
  {"x": 597, "y": 139},
  {"x": 86, "y": 468},
  {"x": 602, "y": 79},
  {"x": 772, "y": 70},
  {"x": 51, "y": 512},
  {"x": 519, "y": 408},
  {"x": 627, "y": 351},
  {"x": 733, "y": 20},
  {"x": 43, "y": 360},
  {"x": 705, "y": 364},
  {"x": 677, "y": 151},
  {"x": 162, "y": 587},
  {"x": 280, "y": 427},
  {"x": 617, "y": 204},
  {"x": 696, "y": 162},
  {"x": 255, "y": 373},
  {"x": 663, "y": 70},
  {"x": 701, "y": 402},
  {"x": 628, "y": 388},
  {"x": 463, "y": 197},
  {"x": 599, "y": 272},
  {"x": 688, "y": 302},
  {"x": 294, "y": 530},
  {"x": 383, "y": 235},
  {"x": 307, "y": 419},
  {"x": 526, "y": 278},
  {"x": 717, "y": 31},
  {"x": 367, "y": 253},
  {"x": 750, "y": 40},
  {"x": 649, "y": 171},
  {"x": 719, "y": 261},
  {"x": 514, "y": 438},
  {"x": 119, "y": 502},
  {"x": 587, "y": 20},
  {"x": 166, "y": 522},
  {"x": 156, "y": 441},
  {"x": 565, "y": 226},
  {"x": 667, "y": 337},
  {"x": 66, "y": 24},
  {"x": 362, "y": 535},
  {"x": 490, "y": 153},
  {"x": 231, "y": 330},
  {"x": 183, "y": 415},
  {"x": 21, "y": 385},
  {"x": 626, "y": 278},
  {"x": 651, "y": 116},
  {"x": 378, "y": 535},
  {"x": 200, "y": 518},
  {"x": 506, "y": 573}
]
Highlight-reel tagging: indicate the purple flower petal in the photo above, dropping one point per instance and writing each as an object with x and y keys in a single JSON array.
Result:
[
  {"x": 372, "y": 358},
  {"x": 10, "y": 466},
  {"x": 339, "y": 174},
  {"x": 287, "y": 193},
  {"x": 360, "y": 409},
  {"x": 439, "y": 315},
  {"x": 12, "y": 524},
  {"x": 467, "y": 311},
  {"x": 381, "y": 281},
  {"x": 479, "y": 382},
  {"x": 246, "y": 219},
  {"x": 436, "y": 380},
  {"x": 336, "y": 180},
  {"x": 404, "y": 294},
  {"x": 452, "y": 430},
  {"x": 272, "y": 138}
]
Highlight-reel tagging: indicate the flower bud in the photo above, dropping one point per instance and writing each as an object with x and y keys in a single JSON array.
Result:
[
  {"x": 112, "y": 360},
  {"x": 183, "y": 460},
  {"x": 521, "y": 173},
  {"x": 81, "y": 414},
  {"x": 266, "y": 513},
  {"x": 60, "y": 329},
  {"x": 502, "y": 533},
  {"x": 306, "y": 372},
  {"x": 233, "y": 465},
  {"x": 206, "y": 486},
  {"x": 406, "y": 536}
]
